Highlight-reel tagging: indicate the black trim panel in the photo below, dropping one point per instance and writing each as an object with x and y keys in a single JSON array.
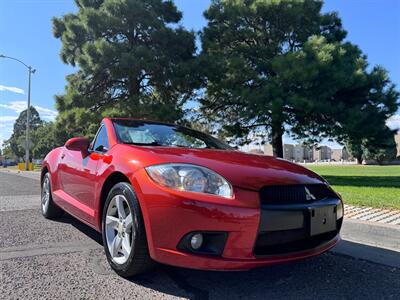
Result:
[
  {"x": 290, "y": 216},
  {"x": 290, "y": 228},
  {"x": 213, "y": 243}
]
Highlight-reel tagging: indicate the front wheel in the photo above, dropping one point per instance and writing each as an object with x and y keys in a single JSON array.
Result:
[
  {"x": 49, "y": 209},
  {"x": 124, "y": 236}
]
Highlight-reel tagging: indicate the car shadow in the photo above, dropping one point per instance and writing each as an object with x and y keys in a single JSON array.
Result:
[
  {"x": 361, "y": 181},
  {"x": 330, "y": 275},
  {"x": 82, "y": 227}
]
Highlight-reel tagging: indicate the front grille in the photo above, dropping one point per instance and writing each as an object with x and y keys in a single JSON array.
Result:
[{"x": 300, "y": 193}]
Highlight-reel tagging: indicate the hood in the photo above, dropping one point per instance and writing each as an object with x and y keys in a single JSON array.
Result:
[{"x": 244, "y": 170}]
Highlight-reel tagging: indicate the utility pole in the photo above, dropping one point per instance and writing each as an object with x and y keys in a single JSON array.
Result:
[
  {"x": 28, "y": 117},
  {"x": 28, "y": 112}
]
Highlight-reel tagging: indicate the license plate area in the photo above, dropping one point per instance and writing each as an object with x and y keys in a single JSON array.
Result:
[{"x": 322, "y": 219}]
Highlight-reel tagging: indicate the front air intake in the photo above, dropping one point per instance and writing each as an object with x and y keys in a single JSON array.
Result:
[{"x": 295, "y": 194}]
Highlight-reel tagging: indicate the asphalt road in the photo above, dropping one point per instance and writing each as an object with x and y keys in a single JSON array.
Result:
[{"x": 63, "y": 259}]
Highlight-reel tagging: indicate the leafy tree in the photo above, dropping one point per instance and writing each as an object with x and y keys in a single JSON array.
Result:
[
  {"x": 7, "y": 152},
  {"x": 45, "y": 139},
  {"x": 134, "y": 60},
  {"x": 356, "y": 150},
  {"x": 20, "y": 123},
  {"x": 361, "y": 112},
  {"x": 17, "y": 141},
  {"x": 380, "y": 148},
  {"x": 272, "y": 66}
]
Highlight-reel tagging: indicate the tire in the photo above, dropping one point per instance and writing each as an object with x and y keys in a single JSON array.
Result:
[
  {"x": 124, "y": 237},
  {"x": 49, "y": 209}
]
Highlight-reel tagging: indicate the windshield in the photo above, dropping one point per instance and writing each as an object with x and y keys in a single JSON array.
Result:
[{"x": 146, "y": 133}]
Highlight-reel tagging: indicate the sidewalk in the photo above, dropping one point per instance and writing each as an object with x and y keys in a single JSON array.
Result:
[{"x": 28, "y": 174}]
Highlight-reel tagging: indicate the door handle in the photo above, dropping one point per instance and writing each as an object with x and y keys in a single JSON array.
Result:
[{"x": 62, "y": 156}]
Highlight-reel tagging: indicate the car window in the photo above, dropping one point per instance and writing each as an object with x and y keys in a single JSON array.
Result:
[
  {"x": 101, "y": 140},
  {"x": 168, "y": 137},
  {"x": 148, "y": 133}
]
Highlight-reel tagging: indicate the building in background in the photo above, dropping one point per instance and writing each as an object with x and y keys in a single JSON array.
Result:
[
  {"x": 288, "y": 151},
  {"x": 303, "y": 153},
  {"x": 322, "y": 153},
  {"x": 308, "y": 154},
  {"x": 268, "y": 150},
  {"x": 256, "y": 151},
  {"x": 340, "y": 154},
  {"x": 298, "y": 152},
  {"x": 397, "y": 139}
]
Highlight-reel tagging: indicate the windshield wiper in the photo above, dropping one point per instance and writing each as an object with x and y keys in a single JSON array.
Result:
[
  {"x": 191, "y": 147},
  {"x": 166, "y": 145},
  {"x": 180, "y": 146},
  {"x": 145, "y": 144}
]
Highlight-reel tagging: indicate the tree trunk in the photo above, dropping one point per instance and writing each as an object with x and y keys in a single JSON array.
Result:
[
  {"x": 359, "y": 158},
  {"x": 276, "y": 140}
]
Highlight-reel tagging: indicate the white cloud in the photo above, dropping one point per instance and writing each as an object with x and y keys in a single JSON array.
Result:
[
  {"x": 7, "y": 119},
  {"x": 394, "y": 122},
  {"x": 16, "y": 106},
  {"x": 6, "y": 127},
  {"x": 11, "y": 89},
  {"x": 46, "y": 113},
  {"x": 19, "y": 106}
]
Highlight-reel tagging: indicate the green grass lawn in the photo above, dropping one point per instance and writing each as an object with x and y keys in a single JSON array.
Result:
[{"x": 374, "y": 186}]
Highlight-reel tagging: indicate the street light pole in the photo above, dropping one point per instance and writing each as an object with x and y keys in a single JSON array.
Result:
[{"x": 28, "y": 111}]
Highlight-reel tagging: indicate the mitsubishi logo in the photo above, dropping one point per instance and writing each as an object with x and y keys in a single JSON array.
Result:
[{"x": 309, "y": 196}]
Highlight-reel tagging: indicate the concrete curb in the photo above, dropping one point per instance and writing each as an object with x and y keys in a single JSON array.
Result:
[
  {"x": 374, "y": 242},
  {"x": 368, "y": 253},
  {"x": 374, "y": 234}
]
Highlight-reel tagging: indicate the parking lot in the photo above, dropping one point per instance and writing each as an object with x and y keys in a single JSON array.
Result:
[{"x": 64, "y": 259}]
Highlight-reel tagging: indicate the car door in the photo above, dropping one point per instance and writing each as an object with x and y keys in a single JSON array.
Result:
[{"x": 78, "y": 176}]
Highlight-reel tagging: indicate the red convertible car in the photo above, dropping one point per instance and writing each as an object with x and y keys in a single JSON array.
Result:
[{"x": 165, "y": 193}]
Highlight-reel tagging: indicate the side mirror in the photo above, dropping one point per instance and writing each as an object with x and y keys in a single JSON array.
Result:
[{"x": 78, "y": 144}]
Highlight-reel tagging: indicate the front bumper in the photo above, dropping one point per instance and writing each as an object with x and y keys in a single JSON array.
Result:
[
  {"x": 179, "y": 259},
  {"x": 170, "y": 215}
]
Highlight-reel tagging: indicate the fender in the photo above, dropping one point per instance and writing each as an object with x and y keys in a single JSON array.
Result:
[
  {"x": 50, "y": 163},
  {"x": 109, "y": 164}
]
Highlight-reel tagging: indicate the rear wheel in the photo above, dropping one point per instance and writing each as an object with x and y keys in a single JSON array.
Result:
[
  {"x": 49, "y": 209},
  {"x": 124, "y": 236}
]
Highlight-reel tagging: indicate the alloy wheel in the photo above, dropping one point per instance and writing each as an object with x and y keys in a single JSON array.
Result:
[
  {"x": 45, "y": 194},
  {"x": 119, "y": 229}
]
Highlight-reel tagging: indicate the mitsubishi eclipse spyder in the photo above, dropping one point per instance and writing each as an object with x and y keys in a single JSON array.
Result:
[{"x": 165, "y": 193}]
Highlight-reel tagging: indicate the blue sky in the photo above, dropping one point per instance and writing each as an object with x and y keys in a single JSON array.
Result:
[{"x": 25, "y": 33}]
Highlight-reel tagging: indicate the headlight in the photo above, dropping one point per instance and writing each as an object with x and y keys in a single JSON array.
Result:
[
  {"x": 191, "y": 178},
  {"x": 339, "y": 211}
]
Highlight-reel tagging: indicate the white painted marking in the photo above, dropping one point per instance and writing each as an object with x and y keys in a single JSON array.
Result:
[
  {"x": 376, "y": 215},
  {"x": 388, "y": 218}
]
